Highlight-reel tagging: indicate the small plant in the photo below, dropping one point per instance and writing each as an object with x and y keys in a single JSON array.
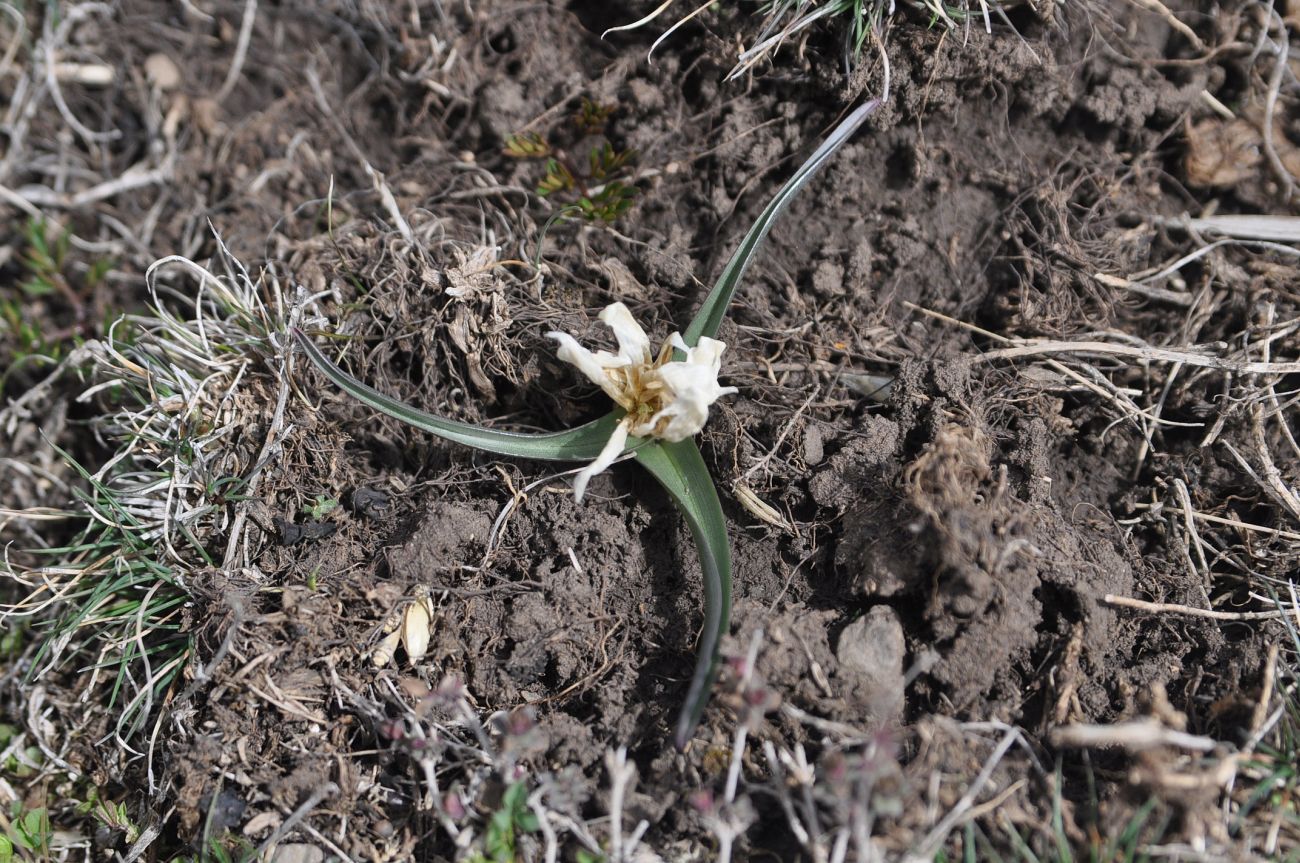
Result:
[
  {"x": 139, "y": 586},
  {"x": 591, "y": 117},
  {"x": 512, "y": 818},
  {"x": 47, "y": 273},
  {"x": 21, "y": 761},
  {"x": 28, "y": 836},
  {"x": 320, "y": 507},
  {"x": 233, "y": 849},
  {"x": 44, "y": 260},
  {"x": 602, "y": 190},
  {"x": 28, "y": 339},
  {"x": 112, "y": 815},
  {"x": 527, "y": 145},
  {"x": 112, "y": 596},
  {"x": 12, "y": 640},
  {"x": 662, "y": 402}
]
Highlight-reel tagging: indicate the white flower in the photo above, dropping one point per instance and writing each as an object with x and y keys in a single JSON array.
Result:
[{"x": 663, "y": 398}]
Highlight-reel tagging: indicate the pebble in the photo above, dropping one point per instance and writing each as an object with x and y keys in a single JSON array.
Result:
[
  {"x": 298, "y": 853},
  {"x": 871, "y": 652},
  {"x": 162, "y": 72}
]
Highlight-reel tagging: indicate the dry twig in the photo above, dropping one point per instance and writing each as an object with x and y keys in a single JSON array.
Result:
[
  {"x": 1138, "y": 735},
  {"x": 1172, "y": 608}
]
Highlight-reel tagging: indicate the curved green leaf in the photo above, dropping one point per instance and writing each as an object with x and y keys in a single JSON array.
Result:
[
  {"x": 681, "y": 470},
  {"x": 709, "y": 317},
  {"x": 583, "y": 443}
]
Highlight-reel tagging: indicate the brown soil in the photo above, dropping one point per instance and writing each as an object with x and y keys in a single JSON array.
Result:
[{"x": 949, "y": 539}]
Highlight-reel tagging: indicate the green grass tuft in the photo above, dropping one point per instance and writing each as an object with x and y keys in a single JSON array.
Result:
[{"x": 169, "y": 391}]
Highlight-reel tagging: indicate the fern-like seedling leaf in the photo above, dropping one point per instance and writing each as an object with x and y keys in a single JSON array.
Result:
[
  {"x": 527, "y": 145},
  {"x": 558, "y": 179},
  {"x": 591, "y": 117}
]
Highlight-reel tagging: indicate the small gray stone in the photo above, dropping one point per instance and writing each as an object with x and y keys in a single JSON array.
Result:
[
  {"x": 814, "y": 449},
  {"x": 828, "y": 279},
  {"x": 298, "y": 853},
  {"x": 871, "y": 652}
]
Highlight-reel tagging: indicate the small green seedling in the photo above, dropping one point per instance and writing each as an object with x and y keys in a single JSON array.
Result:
[
  {"x": 29, "y": 834},
  {"x": 527, "y": 145},
  {"x": 46, "y": 262},
  {"x": 12, "y": 639},
  {"x": 112, "y": 815},
  {"x": 602, "y": 190},
  {"x": 322, "y": 506},
  {"x": 591, "y": 117},
  {"x": 501, "y": 840},
  {"x": 234, "y": 849},
  {"x": 658, "y": 441},
  {"x": 47, "y": 274},
  {"x": 43, "y": 259},
  {"x": 20, "y": 763}
]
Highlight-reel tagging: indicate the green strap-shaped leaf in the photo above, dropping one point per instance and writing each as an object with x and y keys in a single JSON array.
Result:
[
  {"x": 583, "y": 443},
  {"x": 680, "y": 468},
  {"x": 709, "y": 317}
]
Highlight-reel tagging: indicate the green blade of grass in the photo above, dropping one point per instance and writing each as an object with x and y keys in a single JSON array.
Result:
[
  {"x": 709, "y": 318},
  {"x": 680, "y": 468},
  {"x": 583, "y": 443}
]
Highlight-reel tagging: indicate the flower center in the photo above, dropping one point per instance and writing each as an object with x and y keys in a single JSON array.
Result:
[{"x": 642, "y": 389}]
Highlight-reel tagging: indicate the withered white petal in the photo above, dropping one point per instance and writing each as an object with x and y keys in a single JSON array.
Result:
[
  {"x": 707, "y": 353},
  {"x": 694, "y": 388},
  {"x": 594, "y": 367},
  {"x": 612, "y": 450},
  {"x": 664, "y": 399},
  {"x": 676, "y": 422},
  {"x": 633, "y": 343}
]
